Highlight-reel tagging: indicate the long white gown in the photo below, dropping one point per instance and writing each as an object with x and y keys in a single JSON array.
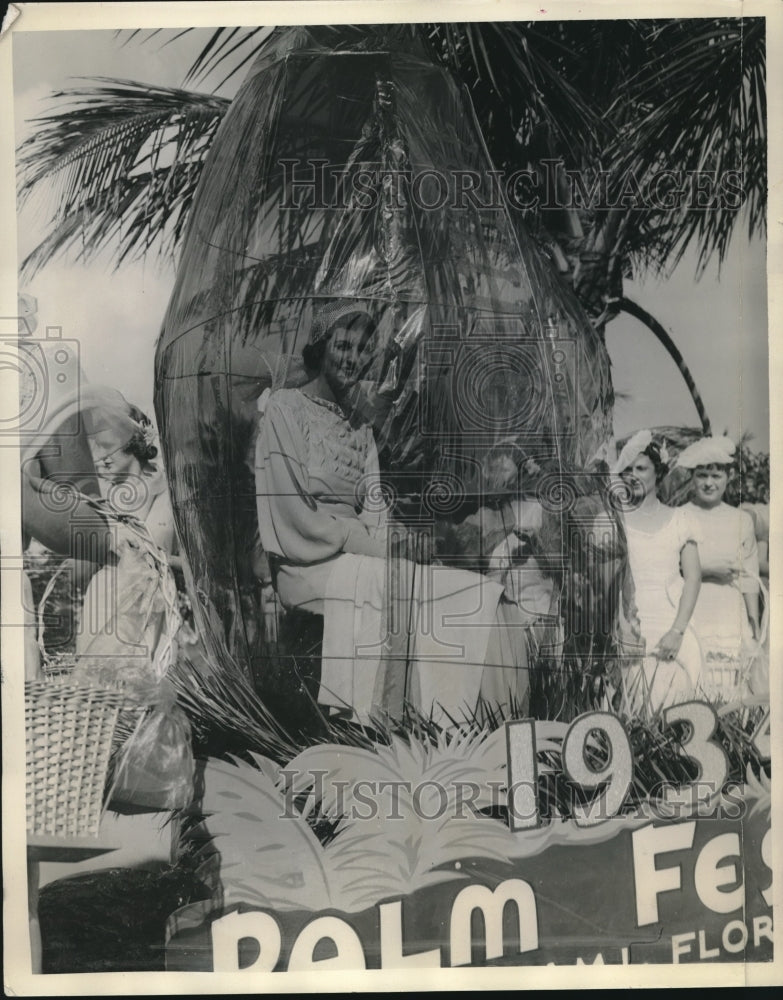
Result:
[
  {"x": 654, "y": 558},
  {"x": 720, "y": 618},
  {"x": 315, "y": 478}
]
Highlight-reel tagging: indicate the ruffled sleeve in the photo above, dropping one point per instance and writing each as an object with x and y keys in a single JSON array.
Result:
[
  {"x": 687, "y": 527},
  {"x": 291, "y": 523}
]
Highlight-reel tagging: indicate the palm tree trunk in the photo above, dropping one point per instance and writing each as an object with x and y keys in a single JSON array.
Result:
[{"x": 652, "y": 324}]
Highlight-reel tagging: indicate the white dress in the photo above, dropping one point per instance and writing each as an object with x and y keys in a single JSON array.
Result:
[
  {"x": 322, "y": 527},
  {"x": 720, "y": 618},
  {"x": 654, "y": 558}
]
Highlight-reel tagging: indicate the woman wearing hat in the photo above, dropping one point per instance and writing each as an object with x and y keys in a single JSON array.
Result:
[
  {"x": 123, "y": 608},
  {"x": 325, "y": 535},
  {"x": 664, "y": 563},
  {"x": 129, "y": 612},
  {"x": 122, "y": 443},
  {"x": 726, "y": 616}
]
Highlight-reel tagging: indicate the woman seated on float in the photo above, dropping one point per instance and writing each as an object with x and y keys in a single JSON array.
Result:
[{"x": 456, "y": 643}]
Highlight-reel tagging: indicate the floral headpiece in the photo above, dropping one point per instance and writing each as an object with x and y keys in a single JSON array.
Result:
[{"x": 147, "y": 432}]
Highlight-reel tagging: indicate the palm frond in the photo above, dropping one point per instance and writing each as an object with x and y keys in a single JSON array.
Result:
[
  {"x": 334, "y": 764},
  {"x": 519, "y": 76},
  {"x": 699, "y": 107},
  {"x": 248, "y": 42},
  {"x": 267, "y": 855},
  {"x": 118, "y": 159},
  {"x": 627, "y": 96},
  {"x": 227, "y": 716},
  {"x": 512, "y": 65}
]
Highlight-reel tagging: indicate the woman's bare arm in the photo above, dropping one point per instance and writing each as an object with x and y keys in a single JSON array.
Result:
[{"x": 690, "y": 567}]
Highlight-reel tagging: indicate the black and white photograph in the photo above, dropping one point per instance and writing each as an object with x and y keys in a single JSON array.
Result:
[{"x": 386, "y": 512}]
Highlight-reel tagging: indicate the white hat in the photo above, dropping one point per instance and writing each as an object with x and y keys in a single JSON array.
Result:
[
  {"x": 707, "y": 451},
  {"x": 337, "y": 311},
  {"x": 634, "y": 446}
]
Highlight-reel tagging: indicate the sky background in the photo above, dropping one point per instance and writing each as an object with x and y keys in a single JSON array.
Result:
[{"x": 719, "y": 322}]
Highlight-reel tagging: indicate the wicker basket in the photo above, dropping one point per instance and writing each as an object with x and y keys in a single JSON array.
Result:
[{"x": 69, "y": 729}]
